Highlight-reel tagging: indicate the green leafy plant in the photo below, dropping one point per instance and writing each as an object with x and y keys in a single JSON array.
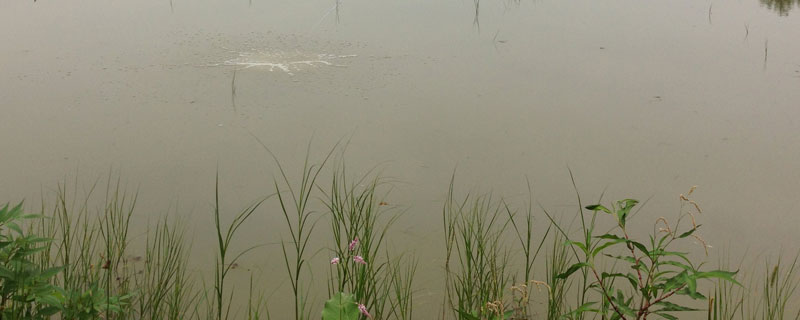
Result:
[
  {"x": 655, "y": 273},
  {"x": 93, "y": 304},
  {"x": 26, "y": 291}
]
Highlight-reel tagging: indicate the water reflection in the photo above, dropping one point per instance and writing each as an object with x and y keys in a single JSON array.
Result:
[{"x": 781, "y": 6}]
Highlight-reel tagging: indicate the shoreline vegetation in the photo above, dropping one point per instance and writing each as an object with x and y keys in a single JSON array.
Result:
[{"x": 72, "y": 261}]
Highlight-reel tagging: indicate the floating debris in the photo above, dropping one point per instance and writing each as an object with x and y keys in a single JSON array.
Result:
[{"x": 288, "y": 62}]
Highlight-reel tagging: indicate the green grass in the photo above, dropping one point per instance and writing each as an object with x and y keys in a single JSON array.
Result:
[
  {"x": 360, "y": 222},
  {"x": 476, "y": 255},
  {"x": 500, "y": 261},
  {"x": 224, "y": 261}
]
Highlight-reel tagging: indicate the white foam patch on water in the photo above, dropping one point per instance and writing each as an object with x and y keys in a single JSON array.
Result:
[{"x": 287, "y": 62}]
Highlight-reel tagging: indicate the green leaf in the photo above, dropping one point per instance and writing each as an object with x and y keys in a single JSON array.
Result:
[
  {"x": 676, "y": 281},
  {"x": 586, "y": 307},
  {"x": 688, "y": 233},
  {"x": 5, "y": 273},
  {"x": 630, "y": 277},
  {"x": 718, "y": 274},
  {"x": 666, "y": 316},
  {"x": 15, "y": 227},
  {"x": 623, "y": 258},
  {"x": 598, "y": 207},
  {"x": 606, "y": 245},
  {"x": 677, "y": 264},
  {"x": 579, "y": 245},
  {"x": 3, "y": 213},
  {"x": 341, "y": 306},
  {"x": 669, "y": 306},
  {"x": 691, "y": 283},
  {"x": 610, "y": 237},
  {"x": 49, "y": 311},
  {"x": 641, "y": 247},
  {"x": 467, "y": 315},
  {"x": 625, "y": 207},
  {"x": 694, "y": 295},
  {"x": 30, "y": 251},
  {"x": 35, "y": 239},
  {"x": 49, "y": 300},
  {"x": 571, "y": 270},
  {"x": 47, "y": 273}
]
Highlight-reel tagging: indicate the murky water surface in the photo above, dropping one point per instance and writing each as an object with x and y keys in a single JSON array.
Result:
[{"x": 640, "y": 99}]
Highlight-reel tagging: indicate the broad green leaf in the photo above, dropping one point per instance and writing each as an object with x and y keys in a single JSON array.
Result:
[
  {"x": 691, "y": 283},
  {"x": 341, "y": 306},
  {"x": 676, "y": 282},
  {"x": 640, "y": 246}
]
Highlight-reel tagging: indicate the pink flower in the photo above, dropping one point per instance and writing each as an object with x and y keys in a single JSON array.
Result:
[
  {"x": 335, "y": 260},
  {"x": 359, "y": 259},
  {"x": 353, "y": 244},
  {"x": 364, "y": 311}
]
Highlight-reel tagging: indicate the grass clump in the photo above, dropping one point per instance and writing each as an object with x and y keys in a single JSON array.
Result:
[
  {"x": 476, "y": 260},
  {"x": 77, "y": 259},
  {"x": 360, "y": 221},
  {"x": 779, "y": 290}
]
